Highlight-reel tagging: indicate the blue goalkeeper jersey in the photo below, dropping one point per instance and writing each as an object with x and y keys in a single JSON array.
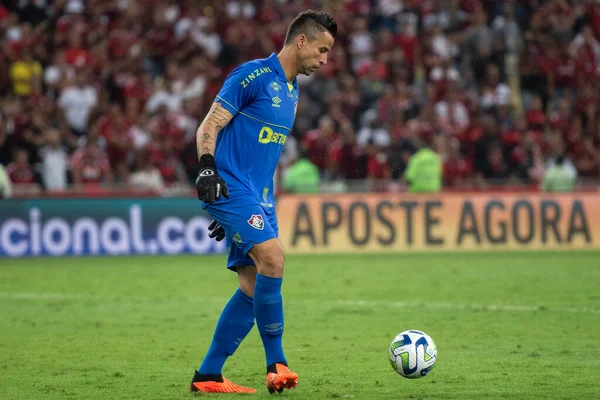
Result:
[{"x": 263, "y": 104}]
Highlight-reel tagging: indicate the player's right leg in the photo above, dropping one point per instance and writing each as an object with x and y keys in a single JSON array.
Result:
[
  {"x": 268, "y": 307},
  {"x": 235, "y": 322}
]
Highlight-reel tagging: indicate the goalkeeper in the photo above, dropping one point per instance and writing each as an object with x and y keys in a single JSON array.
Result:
[{"x": 239, "y": 144}]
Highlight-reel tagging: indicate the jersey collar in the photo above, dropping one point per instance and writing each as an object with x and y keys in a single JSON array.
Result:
[{"x": 279, "y": 70}]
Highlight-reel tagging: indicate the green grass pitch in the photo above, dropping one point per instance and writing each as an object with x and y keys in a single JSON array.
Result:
[{"x": 507, "y": 326}]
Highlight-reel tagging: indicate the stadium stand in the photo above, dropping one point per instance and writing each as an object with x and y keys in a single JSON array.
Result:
[{"x": 100, "y": 94}]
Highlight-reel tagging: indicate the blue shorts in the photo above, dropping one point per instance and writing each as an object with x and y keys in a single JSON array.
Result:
[{"x": 246, "y": 223}]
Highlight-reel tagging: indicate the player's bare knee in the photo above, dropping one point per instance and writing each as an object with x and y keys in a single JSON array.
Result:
[
  {"x": 271, "y": 264},
  {"x": 268, "y": 257}
]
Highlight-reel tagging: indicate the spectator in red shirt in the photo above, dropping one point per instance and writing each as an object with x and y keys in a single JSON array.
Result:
[
  {"x": 585, "y": 48},
  {"x": 587, "y": 158},
  {"x": 164, "y": 125},
  {"x": 345, "y": 155},
  {"x": 562, "y": 74},
  {"x": 512, "y": 137},
  {"x": 457, "y": 169},
  {"x": 562, "y": 118},
  {"x": 379, "y": 171},
  {"x": 119, "y": 143},
  {"x": 398, "y": 69},
  {"x": 121, "y": 40},
  {"x": 90, "y": 164},
  {"x": 348, "y": 97},
  {"x": 590, "y": 117},
  {"x": 473, "y": 133},
  {"x": 137, "y": 90},
  {"x": 159, "y": 41},
  {"x": 409, "y": 43},
  {"x": 587, "y": 65},
  {"x": 385, "y": 41},
  {"x": 336, "y": 63},
  {"x": 318, "y": 142},
  {"x": 587, "y": 94},
  {"x": 76, "y": 54},
  {"x": 19, "y": 171},
  {"x": 168, "y": 162},
  {"x": 535, "y": 116}
]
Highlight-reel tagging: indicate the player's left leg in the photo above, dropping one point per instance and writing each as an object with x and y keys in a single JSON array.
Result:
[
  {"x": 234, "y": 324},
  {"x": 268, "y": 308}
]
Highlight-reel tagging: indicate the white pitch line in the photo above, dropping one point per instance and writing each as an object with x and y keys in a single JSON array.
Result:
[
  {"x": 40, "y": 296},
  {"x": 457, "y": 306}
]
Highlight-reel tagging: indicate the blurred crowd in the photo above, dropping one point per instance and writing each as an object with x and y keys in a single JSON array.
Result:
[{"x": 112, "y": 91}]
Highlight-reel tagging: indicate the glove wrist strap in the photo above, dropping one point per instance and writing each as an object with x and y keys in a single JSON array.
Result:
[{"x": 207, "y": 161}]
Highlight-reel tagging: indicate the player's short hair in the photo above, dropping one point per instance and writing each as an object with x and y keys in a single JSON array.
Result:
[{"x": 310, "y": 23}]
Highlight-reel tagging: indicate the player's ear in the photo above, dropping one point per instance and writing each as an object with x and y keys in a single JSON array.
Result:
[{"x": 301, "y": 40}]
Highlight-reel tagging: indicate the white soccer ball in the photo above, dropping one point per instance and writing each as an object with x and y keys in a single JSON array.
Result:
[{"x": 412, "y": 354}]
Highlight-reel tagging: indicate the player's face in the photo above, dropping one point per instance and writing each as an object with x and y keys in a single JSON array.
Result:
[{"x": 313, "y": 53}]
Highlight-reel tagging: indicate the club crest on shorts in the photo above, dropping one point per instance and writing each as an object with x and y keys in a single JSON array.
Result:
[
  {"x": 256, "y": 221},
  {"x": 237, "y": 239}
]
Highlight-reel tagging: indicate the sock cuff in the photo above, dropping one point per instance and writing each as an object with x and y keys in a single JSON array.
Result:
[
  {"x": 244, "y": 296},
  {"x": 269, "y": 280}
]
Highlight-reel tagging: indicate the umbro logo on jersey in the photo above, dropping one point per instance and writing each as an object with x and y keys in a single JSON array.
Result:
[
  {"x": 256, "y": 221},
  {"x": 276, "y": 101}
]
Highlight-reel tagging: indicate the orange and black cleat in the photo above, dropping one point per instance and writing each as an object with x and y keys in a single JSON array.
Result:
[
  {"x": 222, "y": 385},
  {"x": 282, "y": 379}
]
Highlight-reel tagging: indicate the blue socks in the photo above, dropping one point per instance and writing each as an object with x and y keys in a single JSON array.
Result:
[
  {"x": 268, "y": 308},
  {"x": 237, "y": 319},
  {"x": 235, "y": 322}
]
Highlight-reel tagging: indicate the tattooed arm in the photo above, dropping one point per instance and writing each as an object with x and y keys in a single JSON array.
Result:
[
  {"x": 209, "y": 184},
  {"x": 206, "y": 136}
]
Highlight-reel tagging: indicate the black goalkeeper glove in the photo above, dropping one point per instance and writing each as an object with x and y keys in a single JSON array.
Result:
[
  {"x": 209, "y": 184},
  {"x": 216, "y": 231}
]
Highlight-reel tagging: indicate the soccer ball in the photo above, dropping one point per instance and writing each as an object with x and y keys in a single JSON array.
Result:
[{"x": 412, "y": 354}]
